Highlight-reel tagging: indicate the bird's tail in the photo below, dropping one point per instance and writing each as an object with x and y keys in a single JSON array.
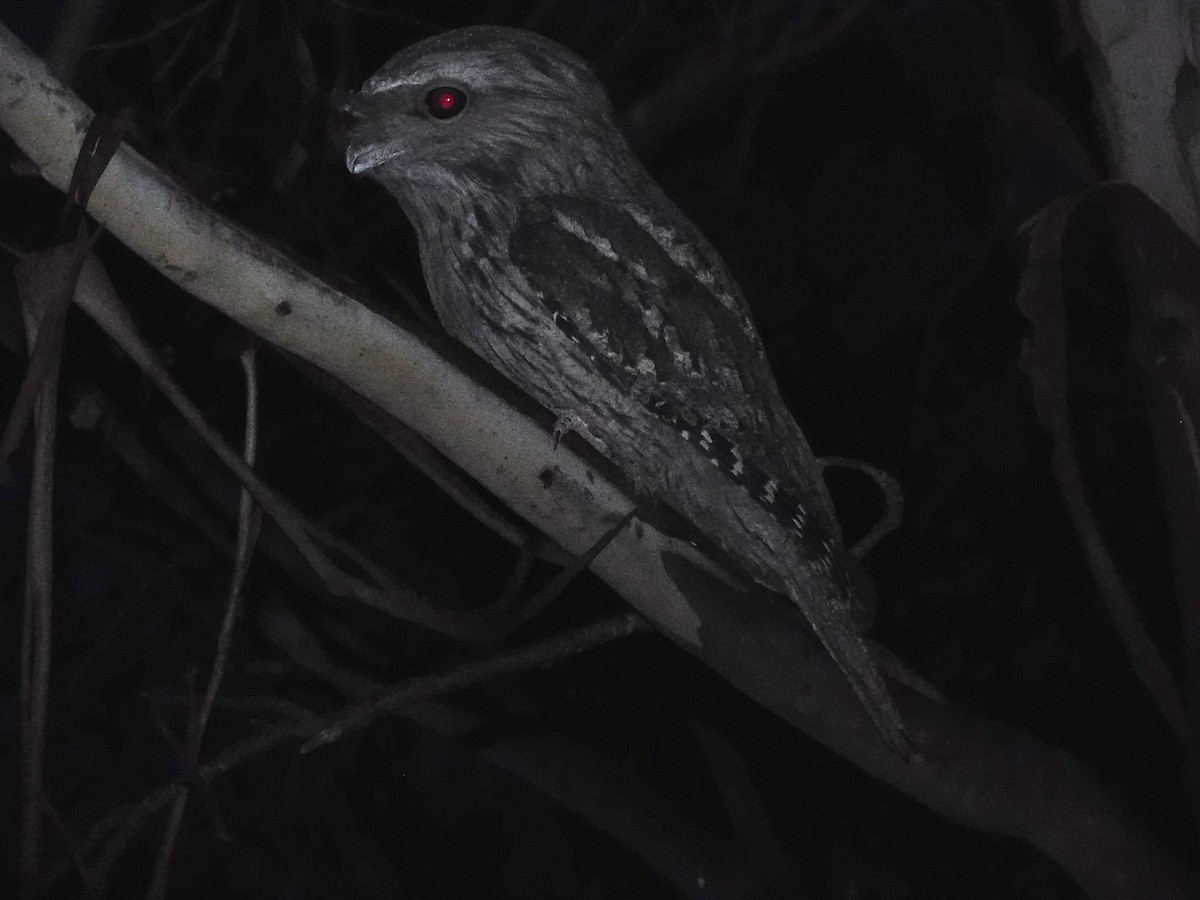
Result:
[{"x": 828, "y": 611}]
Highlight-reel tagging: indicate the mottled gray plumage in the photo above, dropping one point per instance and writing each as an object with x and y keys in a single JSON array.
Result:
[{"x": 550, "y": 251}]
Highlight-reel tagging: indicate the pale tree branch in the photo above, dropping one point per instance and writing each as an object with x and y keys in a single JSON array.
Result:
[{"x": 1141, "y": 59}]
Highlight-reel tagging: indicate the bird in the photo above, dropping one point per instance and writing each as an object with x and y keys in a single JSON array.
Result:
[{"x": 551, "y": 252}]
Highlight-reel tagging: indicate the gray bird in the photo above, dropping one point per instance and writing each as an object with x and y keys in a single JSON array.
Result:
[{"x": 551, "y": 252}]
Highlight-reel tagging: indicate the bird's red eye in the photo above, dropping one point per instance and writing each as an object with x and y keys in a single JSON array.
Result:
[{"x": 445, "y": 102}]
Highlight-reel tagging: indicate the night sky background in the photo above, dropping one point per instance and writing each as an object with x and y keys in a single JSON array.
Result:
[{"x": 867, "y": 184}]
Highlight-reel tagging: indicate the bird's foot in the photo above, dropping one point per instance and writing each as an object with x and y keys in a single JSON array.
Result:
[{"x": 566, "y": 423}]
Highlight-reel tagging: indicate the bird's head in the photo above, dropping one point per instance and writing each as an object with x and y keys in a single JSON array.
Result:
[{"x": 481, "y": 99}]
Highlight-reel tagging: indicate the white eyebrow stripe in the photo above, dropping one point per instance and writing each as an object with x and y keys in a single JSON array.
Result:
[
  {"x": 379, "y": 86},
  {"x": 448, "y": 71}
]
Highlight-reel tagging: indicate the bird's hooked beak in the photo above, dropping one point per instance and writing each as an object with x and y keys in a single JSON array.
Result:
[{"x": 359, "y": 125}]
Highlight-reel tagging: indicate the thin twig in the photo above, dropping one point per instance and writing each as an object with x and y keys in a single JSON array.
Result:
[
  {"x": 1040, "y": 298},
  {"x": 158, "y": 29},
  {"x": 45, "y": 281},
  {"x": 535, "y": 656},
  {"x": 247, "y": 534},
  {"x": 795, "y": 45},
  {"x": 46, "y": 346},
  {"x": 556, "y": 585},
  {"x": 211, "y": 69},
  {"x": 68, "y": 839},
  {"x": 893, "y": 514},
  {"x": 124, "y": 824}
]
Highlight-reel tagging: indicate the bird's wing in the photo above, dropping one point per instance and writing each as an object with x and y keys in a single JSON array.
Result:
[
  {"x": 655, "y": 307},
  {"x": 658, "y": 315},
  {"x": 657, "y": 312}
]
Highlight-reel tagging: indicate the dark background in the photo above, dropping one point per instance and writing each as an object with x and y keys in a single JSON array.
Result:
[{"x": 866, "y": 182}]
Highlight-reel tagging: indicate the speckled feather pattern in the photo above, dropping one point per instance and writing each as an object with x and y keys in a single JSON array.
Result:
[{"x": 550, "y": 251}]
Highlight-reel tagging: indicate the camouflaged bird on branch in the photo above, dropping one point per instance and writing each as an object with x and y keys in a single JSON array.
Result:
[{"x": 550, "y": 251}]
